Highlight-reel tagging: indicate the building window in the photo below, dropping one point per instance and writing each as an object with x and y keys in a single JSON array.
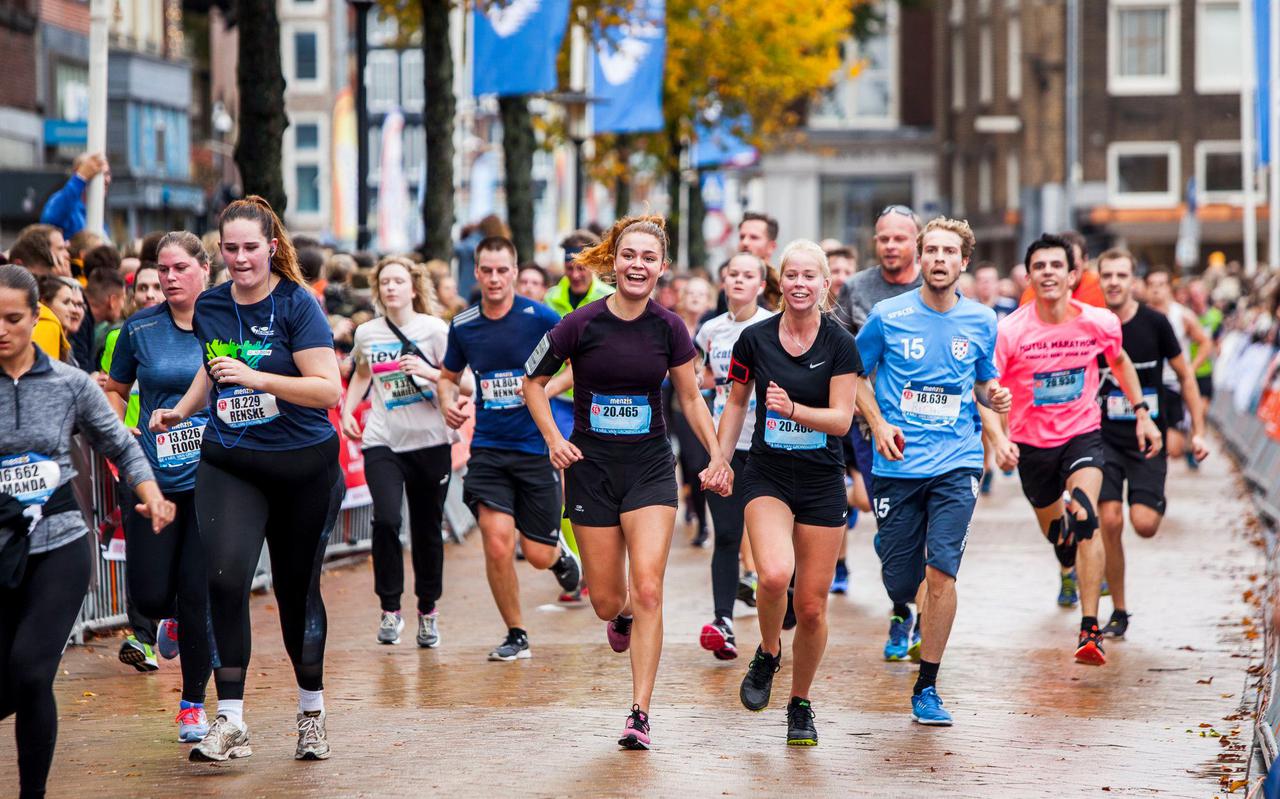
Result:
[
  {"x": 306, "y": 167},
  {"x": 986, "y": 64},
  {"x": 1013, "y": 53},
  {"x": 868, "y": 99},
  {"x": 383, "y": 29},
  {"x": 985, "y": 202},
  {"x": 955, "y": 13},
  {"x": 957, "y": 72},
  {"x": 1012, "y": 182},
  {"x": 306, "y": 136},
  {"x": 1219, "y": 65},
  {"x": 1142, "y": 47},
  {"x": 307, "y": 194},
  {"x": 412, "y": 86},
  {"x": 415, "y": 152},
  {"x": 849, "y": 205},
  {"x": 383, "y": 77},
  {"x": 957, "y": 186},
  {"x": 1219, "y": 177},
  {"x": 306, "y": 57},
  {"x": 1143, "y": 174}
]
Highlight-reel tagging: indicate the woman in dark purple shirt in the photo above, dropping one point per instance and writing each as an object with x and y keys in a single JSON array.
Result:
[{"x": 620, "y": 484}]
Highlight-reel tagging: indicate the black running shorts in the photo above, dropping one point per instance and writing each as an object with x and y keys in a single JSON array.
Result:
[
  {"x": 1044, "y": 470},
  {"x": 522, "y": 485},
  {"x": 614, "y": 478},
  {"x": 1145, "y": 476},
  {"x": 815, "y": 493}
]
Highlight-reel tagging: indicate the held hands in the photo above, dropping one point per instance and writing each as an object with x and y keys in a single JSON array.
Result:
[
  {"x": 889, "y": 440},
  {"x": 160, "y": 511},
  {"x": 164, "y": 418},
  {"x": 1149, "y": 438},
  {"x": 718, "y": 477},
  {"x": 563, "y": 454},
  {"x": 232, "y": 370},
  {"x": 456, "y": 415},
  {"x": 777, "y": 400},
  {"x": 411, "y": 364},
  {"x": 999, "y": 398},
  {"x": 1199, "y": 448}
]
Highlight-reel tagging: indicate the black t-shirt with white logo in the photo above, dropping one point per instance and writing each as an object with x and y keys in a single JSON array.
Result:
[{"x": 1149, "y": 341}]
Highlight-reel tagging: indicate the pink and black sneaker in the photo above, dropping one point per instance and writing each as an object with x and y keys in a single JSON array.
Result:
[
  {"x": 635, "y": 733},
  {"x": 717, "y": 638},
  {"x": 619, "y": 632}
]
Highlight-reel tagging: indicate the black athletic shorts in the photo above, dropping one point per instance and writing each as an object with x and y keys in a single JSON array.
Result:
[
  {"x": 814, "y": 493},
  {"x": 1205, "y": 382},
  {"x": 614, "y": 478},
  {"x": 1144, "y": 475},
  {"x": 1044, "y": 470},
  {"x": 1174, "y": 409},
  {"x": 522, "y": 485}
]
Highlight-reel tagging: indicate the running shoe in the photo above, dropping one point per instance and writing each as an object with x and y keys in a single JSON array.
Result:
[
  {"x": 429, "y": 630},
  {"x": 137, "y": 654},
  {"x": 747, "y": 589},
  {"x": 1118, "y": 626},
  {"x": 635, "y": 732},
  {"x": 800, "y": 729},
  {"x": 167, "y": 639},
  {"x": 193, "y": 724},
  {"x": 840, "y": 585},
  {"x": 619, "y": 633},
  {"x": 1191, "y": 461},
  {"x": 1089, "y": 648},
  {"x": 789, "y": 620},
  {"x": 898, "y": 645},
  {"x": 390, "y": 627},
  {"x": 1069, "y": 592},
  {"x": 985, "y": 487},
  {"x": 1105, "y": 590},
  {"x": 757, "y": 685},
  {"x": 515, "y": 647},
  {"x": 575, "y": 597},
  {"x": 927, "y": 709},
  {"x": 913, "y": 651},
  {"x": 568, "y": 571},
  {"x": 226, "y": 739},
  {"x": 312, "y": 741},
  {"x": 717, "y": 638}
]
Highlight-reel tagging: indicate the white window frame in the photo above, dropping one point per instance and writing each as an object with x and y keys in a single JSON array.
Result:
[
  {"x": 407, "y": 56},
  {"x": 1209, "y": 81},
  {"x": 986, "y": 65},
  {"x": 319, "y": 157},
  {"x": 294, "y": 84},
  {"x": 1220, "y": 147},
  {"x": 1165, "y": 199},
  {"x": 305, "y": 8},
  {"x": 390, "y": 59},
  {"x": 843, "y": 84},
  {"x": 1013, "y": 57},
  {"x": 1129, "y": 86}
]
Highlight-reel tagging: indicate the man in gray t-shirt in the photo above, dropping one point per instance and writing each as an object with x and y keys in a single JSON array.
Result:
[{"x": 898, "y": 272}]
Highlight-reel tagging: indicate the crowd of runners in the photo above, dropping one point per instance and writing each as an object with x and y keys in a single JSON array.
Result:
[{"x": 772, "y": 401}]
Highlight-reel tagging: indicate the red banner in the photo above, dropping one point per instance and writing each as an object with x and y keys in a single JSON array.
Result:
[{"x": 352, "y": 459}]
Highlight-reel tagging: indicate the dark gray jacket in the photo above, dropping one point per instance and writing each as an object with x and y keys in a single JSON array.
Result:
[{"x": 38, "y": 413}]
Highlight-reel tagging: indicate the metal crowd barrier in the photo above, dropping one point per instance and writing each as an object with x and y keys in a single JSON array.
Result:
[{"x": 104, "y": 606}]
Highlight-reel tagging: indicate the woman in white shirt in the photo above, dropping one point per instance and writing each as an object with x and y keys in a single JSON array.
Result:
[{"x": 407, "y": 445}]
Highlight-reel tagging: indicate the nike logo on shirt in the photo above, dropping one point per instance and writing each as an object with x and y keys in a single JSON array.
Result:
[{"x": 816, "y": 365}]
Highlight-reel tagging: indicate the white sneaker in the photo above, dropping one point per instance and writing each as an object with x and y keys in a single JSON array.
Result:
[
  {"x": 226, "y": 739},
  {"x": 429, "y": 629},
  {"x": 390, "y": 627},
  {"x": 312, "y": 742}
]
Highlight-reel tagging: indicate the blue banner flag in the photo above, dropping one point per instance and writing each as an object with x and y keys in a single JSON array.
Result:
[
  {"x": 516, "y": 44},
  {"x": 627, "y": 71},
  {"x": 1262, "y": 55},
  {"x": 718, "y": 145}
]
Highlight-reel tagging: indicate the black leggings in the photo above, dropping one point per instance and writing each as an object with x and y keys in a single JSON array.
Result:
[
  {"x": 167, "y": 579},
  {"x": 425, "y": 474},
  {"x": 291, "y": 498},
  {"x": 35, "y": 622},
  {"x": 726, "y": 516}
]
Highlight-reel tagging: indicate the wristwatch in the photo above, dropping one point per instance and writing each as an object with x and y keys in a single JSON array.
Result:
[{"x": 1142, "y": 406}]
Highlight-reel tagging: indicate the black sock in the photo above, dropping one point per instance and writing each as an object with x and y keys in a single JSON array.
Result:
[
  {"x": 901, "y": 610},
  {"x": 518, "y": 632},
  {"x": 1066, "y": 555},
  {"x": 1088, "y": 623},
  {"x": 928, "y": 677},
  {"x": 840, "y": 564}
]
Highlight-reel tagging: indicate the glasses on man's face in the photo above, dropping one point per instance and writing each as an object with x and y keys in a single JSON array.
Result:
[{"x": 896, "y": 209}]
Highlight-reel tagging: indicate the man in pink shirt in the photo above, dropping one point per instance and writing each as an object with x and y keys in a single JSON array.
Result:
[{"x": 1047, "y": 353}]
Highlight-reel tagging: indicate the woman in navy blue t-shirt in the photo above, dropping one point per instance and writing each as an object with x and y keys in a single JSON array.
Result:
[{"x": 268, "y": 464}]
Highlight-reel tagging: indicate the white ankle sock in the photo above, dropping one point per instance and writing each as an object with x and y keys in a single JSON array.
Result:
[
  {"x": 310, "y": 701},
  {"x": 233, "y": 709}
]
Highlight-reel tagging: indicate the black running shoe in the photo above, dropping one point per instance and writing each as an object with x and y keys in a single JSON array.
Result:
[
  {"x": 789, "y": 620},
  {"x": 800, "y": 729},
  {"x": 567, "y": 571},
  {"x": 1118, "y": 626},
  {"x": 747, "y": 589},
  {"x": 758, "y": 684}
]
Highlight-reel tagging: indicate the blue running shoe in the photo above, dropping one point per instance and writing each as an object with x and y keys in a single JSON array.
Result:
[
  {"x": 1069, "y": 593},
  {"x": 193, "y": 725},
  {"x": 167, "y": 639},
  {"x": 927, "y": 709},
  {"x": 913, "y": 651},
  {"x": 840, "y": 585},
  {"x": 899, "y": 638}
]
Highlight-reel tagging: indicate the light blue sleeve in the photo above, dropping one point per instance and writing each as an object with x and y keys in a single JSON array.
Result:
[
  {"x": 986, "y": 364},
  {"x": 871, "y": 342}
]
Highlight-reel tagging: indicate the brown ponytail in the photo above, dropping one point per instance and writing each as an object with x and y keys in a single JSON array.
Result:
[
  {"x": 285, "y": 261},
  {"x": 599, "y": 258}
]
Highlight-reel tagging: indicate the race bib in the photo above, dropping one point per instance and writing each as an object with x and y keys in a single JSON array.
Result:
[
  {"x": 500, "y": 391},
  {"x": 398, "y": 389},
  {"x": 1120, "y": 409},
  {"x": 31, "y": 479},
  {"x": 783, "y": 433},
  {"x": 179, "y": 446},
  {"x": 245, "y": 407},
  {"x": 620, "y": 415},
  {"x": 1057, "y": 388},
  {"x": 932, "y": 406}
]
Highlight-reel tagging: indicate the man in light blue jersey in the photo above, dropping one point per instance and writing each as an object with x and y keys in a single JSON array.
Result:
[{"x": 932, "y": 353}]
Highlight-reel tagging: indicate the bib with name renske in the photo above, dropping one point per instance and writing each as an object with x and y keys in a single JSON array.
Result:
[
  {"x": 29, "y": 478},
  {"x": 245, "y": 407}
]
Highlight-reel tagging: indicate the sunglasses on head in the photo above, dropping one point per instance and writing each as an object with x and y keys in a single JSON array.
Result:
[{"x": 896, "y": 209}]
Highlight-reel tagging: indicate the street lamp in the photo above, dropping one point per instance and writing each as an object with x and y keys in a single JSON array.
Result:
[
  {"x": 362, "y": 8},
  {"x": 575, "y": 105}
]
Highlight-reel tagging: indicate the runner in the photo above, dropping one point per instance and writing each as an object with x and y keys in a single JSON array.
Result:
[
  {"x": 268, "y": 465},
  {"x": 510, "y": 484},
  {"x": 1210, "y": 318},
  {"x": 1048, "y": 354},
  {"x": 620, "y": 486},
  {"x": 896, "y": 236},
  {"x": 694, "y": 302},
  {"x": 802, "y": 367},
  {"x": 744, "y": 282},
  {"x": 407, "y": 446},
  {"x": 578, "y": 287},
  {"x": 157, "y": 352},
  {"x": 932, "y": 352},
  {"x": 1187, "y": 329},
  {"x": 40, "y": 521},
  {"x": 1151, "y": 342}
]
